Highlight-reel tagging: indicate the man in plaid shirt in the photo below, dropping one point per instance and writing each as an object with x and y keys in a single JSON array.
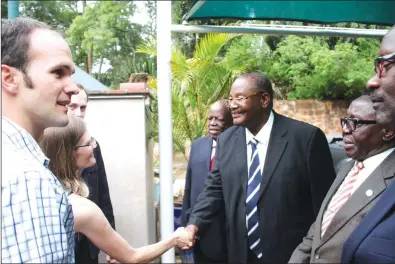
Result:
[{"x": 36, "y": 68}]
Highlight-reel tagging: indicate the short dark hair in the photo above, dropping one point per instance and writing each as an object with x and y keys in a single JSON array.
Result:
[
  {"x": 260, "y": 82},
  {"x": 83, "y": 89},
  {"x": 15, "y": 40}
]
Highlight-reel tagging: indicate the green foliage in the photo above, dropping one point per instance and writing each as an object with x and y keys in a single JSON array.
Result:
[
  {"x": 247, "y": 53},
  {"x": 4, "y": 9},
  {"x": 58, "y": 14},
  {"x": 306, "y": 67},
  {"x": 197, "y": 82},
  {"x": 105, "y": 30}
]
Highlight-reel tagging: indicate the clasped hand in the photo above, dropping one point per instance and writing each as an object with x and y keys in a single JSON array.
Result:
[{"x": 185, "y": 238}]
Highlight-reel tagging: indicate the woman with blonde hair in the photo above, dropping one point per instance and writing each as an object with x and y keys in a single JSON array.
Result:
[{"x": 70, "y": 149}]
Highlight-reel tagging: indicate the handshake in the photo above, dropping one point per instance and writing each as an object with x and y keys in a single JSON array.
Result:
[{"x": 185, "y": 237}]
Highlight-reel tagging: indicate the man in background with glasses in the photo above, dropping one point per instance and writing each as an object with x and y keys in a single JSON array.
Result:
[
  {"x": 382, "y": 84},
  {"x": 96, "y": 179},
  {"x": 271, "y": 174},
  {"x": 212, "y": 245},
  {"x": 357, "y": 186},
  {"x": 373, "y": 241}
]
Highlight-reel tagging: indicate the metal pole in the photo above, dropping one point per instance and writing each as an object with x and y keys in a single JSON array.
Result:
[
  {"x": 13, "y": 8},
  {"x": 165, "y": 124},
  {"x": 193, "y": 10},
  {"x": 284, "y": 30}
]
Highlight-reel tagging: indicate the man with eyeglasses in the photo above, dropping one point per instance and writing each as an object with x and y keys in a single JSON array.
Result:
[
  {"x": 373, "y": 241},
  {"x": 382, "y": 84},
  {"x": 357, "y": 186},
  {"x": 96, "y": 179},
  {"x": 271, "y": 174}
]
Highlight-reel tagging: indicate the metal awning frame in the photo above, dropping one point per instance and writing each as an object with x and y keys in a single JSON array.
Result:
[
  {"x": 247, "y": 28},
  {"x": 282, "y": 30}
]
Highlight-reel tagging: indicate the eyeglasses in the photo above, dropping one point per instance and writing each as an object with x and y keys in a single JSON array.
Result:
[
  {"x": 241, "y": 99},
  {"x": 354, "y": 123},
  {"x": 92, "y": 143},
  {"x": 379, "y": 63}
]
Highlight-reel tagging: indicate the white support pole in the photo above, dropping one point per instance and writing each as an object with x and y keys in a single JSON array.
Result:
[{"x": 165, "y": 124}]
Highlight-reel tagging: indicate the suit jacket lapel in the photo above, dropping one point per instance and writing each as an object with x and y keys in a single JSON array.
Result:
[
  {"x": 335, "y": 185},
  {"x": 206, "y": 151},
  {"x": 376, "y": 182},
  {"x": 276, "y": 147},
  {"x": 240, "y": 157},
  {"x": 385, "y": 203}
]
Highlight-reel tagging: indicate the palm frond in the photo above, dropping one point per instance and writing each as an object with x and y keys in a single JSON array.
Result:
[{"x": 210, "y": 45}]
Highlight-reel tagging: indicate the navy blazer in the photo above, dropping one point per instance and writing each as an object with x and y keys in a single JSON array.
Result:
[
  {"x": 373, "y": 241},
  {"x": 212, "y": 244}
]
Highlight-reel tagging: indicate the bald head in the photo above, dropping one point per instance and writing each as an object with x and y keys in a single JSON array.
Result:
[
  {"x": 363, "y": 105},
  {"x": 390, "y": 33},
  {"x": 219, "y": 118},
  {"x": 388, "y": 42},
  {"x": 220, "y": 105},
  {"x": 258, "y": 81}
]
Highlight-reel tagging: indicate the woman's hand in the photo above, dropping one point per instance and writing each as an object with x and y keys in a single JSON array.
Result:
[
  {"x": 181, "y": 238},
  {"x": 110, "y": 260}
]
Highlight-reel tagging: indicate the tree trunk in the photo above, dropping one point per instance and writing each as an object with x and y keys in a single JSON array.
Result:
[
  {"x": 100, "y": 65},
  {"x": 89, "y": 55},
  {"x": 89, "y": 64}
]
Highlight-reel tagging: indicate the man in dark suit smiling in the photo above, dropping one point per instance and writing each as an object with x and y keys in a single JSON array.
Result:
[{"x": 270, "y": 176}]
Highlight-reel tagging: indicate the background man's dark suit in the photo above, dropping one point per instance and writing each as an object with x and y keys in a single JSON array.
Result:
[
  {"x": 373, "y": 241},
  {"x": 298, "y": 172},
  {"x": 212, "y": 246},
  {"x": 96, "y": 179}
]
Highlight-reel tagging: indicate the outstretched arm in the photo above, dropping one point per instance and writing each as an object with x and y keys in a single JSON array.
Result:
[{"x": 90, "y": 220}]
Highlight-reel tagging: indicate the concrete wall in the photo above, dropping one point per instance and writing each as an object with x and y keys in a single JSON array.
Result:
[
  {"x": 118, "y": 122},
  {"x": 323, "y": 114}
]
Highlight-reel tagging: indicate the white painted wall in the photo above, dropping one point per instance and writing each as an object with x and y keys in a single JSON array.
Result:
[{"x": 118, "y": 122}]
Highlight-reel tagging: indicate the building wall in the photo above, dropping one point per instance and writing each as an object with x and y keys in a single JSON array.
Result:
[
  {"x": 323, "y": 114},
  {"x": 118, "y": 122}
]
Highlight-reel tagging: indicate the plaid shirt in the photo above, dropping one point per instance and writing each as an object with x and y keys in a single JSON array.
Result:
[{"x": 37, "y": 219}]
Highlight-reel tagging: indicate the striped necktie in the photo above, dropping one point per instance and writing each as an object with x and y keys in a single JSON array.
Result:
[
  {"x": 341, "y": 196},
  {"x": 212, "y": 158},
  {"x": 254, "y": 181}
]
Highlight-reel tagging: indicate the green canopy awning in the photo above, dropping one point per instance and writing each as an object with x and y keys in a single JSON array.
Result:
[{"x": 380, "y": 12}]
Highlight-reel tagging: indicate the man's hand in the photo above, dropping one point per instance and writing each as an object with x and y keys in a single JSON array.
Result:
[
  {"x": 181, "y": 236},
  {"x": 192, "y": 230},
  {"x": 110, "y": 260}
]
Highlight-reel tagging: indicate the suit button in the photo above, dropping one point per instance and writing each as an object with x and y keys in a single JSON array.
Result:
[
  {"x": 317, "y": 256},
  {"x": 245, "y": 234}
]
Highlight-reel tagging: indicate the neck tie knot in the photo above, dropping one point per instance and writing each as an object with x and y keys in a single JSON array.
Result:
[
  {"x": 359, "y": 166},
  {"x": 254, "y": 142}
]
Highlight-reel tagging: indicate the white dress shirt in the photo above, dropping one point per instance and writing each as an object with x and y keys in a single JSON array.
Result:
[
  {"x": 370, "y": 164},
  {"x": 263, "y": 137},
  {"x": 213, "y": 148}
]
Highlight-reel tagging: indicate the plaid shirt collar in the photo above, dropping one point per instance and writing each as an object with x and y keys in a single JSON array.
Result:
[{"x": 17, "y": 139}]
